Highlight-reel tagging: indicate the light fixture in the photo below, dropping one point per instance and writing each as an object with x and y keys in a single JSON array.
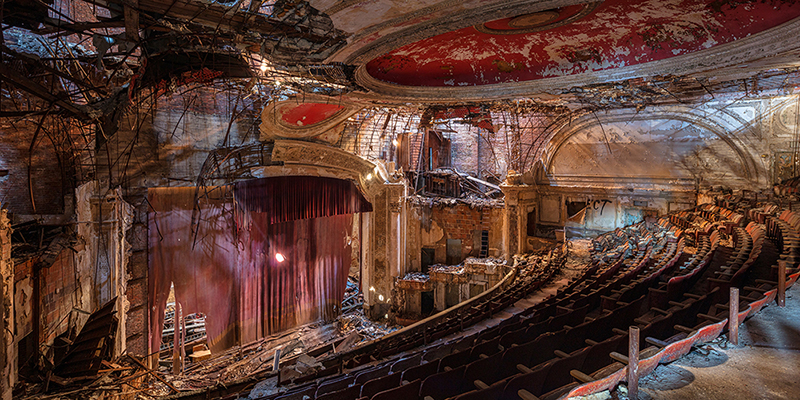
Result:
[
  {"x": 369, "y": 176},
  {"x": 380, "y": 297},
  {"x": 372, "y": 288},
  {"x": 279, "y": 257},
  {"x": 395, "y": 142},
  {"x": 263, "y": 66}
]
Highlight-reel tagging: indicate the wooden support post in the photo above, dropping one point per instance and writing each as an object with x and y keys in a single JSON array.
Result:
[
  {"x": 633, "y": 363},
  {"x": 781, "y": 283},
  {"x": 733, "y": 317},
  {"x": 276, "y": 360},
  {"x": 183, "y": 341},
  {"x": 131, "y": 14},
  {"x": 176, "y": 340}
]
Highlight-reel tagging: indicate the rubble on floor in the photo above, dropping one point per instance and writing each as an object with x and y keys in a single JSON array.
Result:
[
  {"x": 357, "y": 321},
  {"x": 470, "y": 200},
  {"x": 352, "y": 295}
]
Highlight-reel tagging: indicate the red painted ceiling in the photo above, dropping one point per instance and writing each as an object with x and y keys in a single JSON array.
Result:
[
  {"x": 308, "y": 113},
  {"x": 617, "y": 33}
]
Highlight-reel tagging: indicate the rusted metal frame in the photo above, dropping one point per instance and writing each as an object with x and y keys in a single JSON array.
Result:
[
  {"x": 55, "y": 71},
  {"x": 124, "y": 173},
  {"x": 80, "y": 27},
  {"x": 185, "y": 110},
  {"x": 30, "y": 156},
  {"x": 234, "y": 115},
  {"x": 124, "y": 59},
  {"x": 491, "y": 147},
  {"x": 36, "y": 89}
]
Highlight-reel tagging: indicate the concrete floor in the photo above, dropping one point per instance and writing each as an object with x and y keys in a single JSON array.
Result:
[{"x": 765, "y": 365}]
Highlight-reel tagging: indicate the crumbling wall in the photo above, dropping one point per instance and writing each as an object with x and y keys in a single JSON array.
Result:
[
  {"x": 104, "y": 222},
  {"x": 432, "y": 226},
  {"x": 8, "y": 355},
  {"x": 58, "y": 289}
]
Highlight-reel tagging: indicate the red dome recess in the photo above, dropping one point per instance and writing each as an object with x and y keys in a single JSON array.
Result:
[
  {"x": 306, "y": 114},
  {"x": 577, "y": 39}
]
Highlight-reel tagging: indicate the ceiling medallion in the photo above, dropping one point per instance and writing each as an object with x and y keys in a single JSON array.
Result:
[{"x": 538, "y": 21}]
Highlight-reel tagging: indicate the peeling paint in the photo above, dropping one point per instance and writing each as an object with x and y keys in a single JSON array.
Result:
[{"x": 644, "y": 31}]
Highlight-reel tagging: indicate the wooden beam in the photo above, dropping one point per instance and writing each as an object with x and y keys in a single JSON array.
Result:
[{"x": 131, "y": 20}]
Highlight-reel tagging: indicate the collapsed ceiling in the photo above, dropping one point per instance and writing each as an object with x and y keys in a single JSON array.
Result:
[{"x": 315, "y": 69}]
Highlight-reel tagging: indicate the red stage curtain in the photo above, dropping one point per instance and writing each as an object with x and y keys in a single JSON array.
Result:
[
  {"x": 204, "y": 273},
  {"x": 288, "y": 198},
  {"x": 232, "y": 275}
]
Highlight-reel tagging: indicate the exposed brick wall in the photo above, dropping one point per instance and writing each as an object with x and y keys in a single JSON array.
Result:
[
  {"x": 46, "y": 181},
  {"x": 57, "y": 296},
  {"x": 461, "y": 222}
]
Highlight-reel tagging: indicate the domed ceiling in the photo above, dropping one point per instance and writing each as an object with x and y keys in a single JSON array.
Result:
[{"x": 576, "y": 39}]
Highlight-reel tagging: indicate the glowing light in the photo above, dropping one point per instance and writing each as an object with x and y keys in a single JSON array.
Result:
[
  {"x": 279, "y": 257},
  {"x": 263, "y": 67},
  {"x": 372, "y": 288},
  {"x": 395, "y": 142},
  {"x": 386, "y": 316},
  {"x": 369, "y": 176},
  {"x": 380, "y": 297}
]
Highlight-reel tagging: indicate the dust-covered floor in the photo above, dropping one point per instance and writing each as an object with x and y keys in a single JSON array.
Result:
[{"x": 765, "y": 365}]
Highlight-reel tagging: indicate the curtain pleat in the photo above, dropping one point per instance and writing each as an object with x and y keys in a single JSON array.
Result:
[{"x": 230, "y": 271}]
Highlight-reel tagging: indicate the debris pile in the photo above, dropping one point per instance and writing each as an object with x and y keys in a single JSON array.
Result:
[
  {"x": 352, "y": 295},
  {"x": 471, "y": 200},
  {"x": 416, "y": 276},
  {"x": 447, "y": 269},
  {"x": 415, "y": 281},
  {"x": 195, "y": 329},
  {"x": 357, "y": 321}
]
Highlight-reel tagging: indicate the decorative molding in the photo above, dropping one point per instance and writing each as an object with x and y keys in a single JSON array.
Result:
[
  {"x": 448, "y": 21},
  {"x": 587, "y": 9},
  {"x": 750, "y": 170},
  {"x": 329, "y": 130},
  {"x": 767, "y": 43},
  {"x": 323, "y": 159}
]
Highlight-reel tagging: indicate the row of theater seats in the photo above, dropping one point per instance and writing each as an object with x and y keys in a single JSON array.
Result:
[
  {"x": 528, "y": 279},
  {"x": 579, "y": 335}
]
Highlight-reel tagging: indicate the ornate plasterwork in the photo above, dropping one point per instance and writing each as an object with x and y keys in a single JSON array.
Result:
[
  {"x": 329, "y": 130},
  {"x": 717, "y": 125},
  {"x": 767, "y": 43},
  {"x": 390, "y": 38},
  {"x": 528, "y": 23},
  {"x": 328, "y": 161}
]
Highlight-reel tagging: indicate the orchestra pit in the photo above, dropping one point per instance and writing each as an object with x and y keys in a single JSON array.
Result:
[{"x": 387, "y": 199}]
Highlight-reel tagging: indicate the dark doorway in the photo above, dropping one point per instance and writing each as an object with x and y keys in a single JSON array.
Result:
[
  {"x": 453, "y": 251},
  {"x": 428, "y": 256},
  {"x": 427, "y": 303},
  {"x": 531, "y": 225}
]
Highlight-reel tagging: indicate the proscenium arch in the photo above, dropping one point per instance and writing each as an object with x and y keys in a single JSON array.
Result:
[{"x": 716, "y": 126}]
